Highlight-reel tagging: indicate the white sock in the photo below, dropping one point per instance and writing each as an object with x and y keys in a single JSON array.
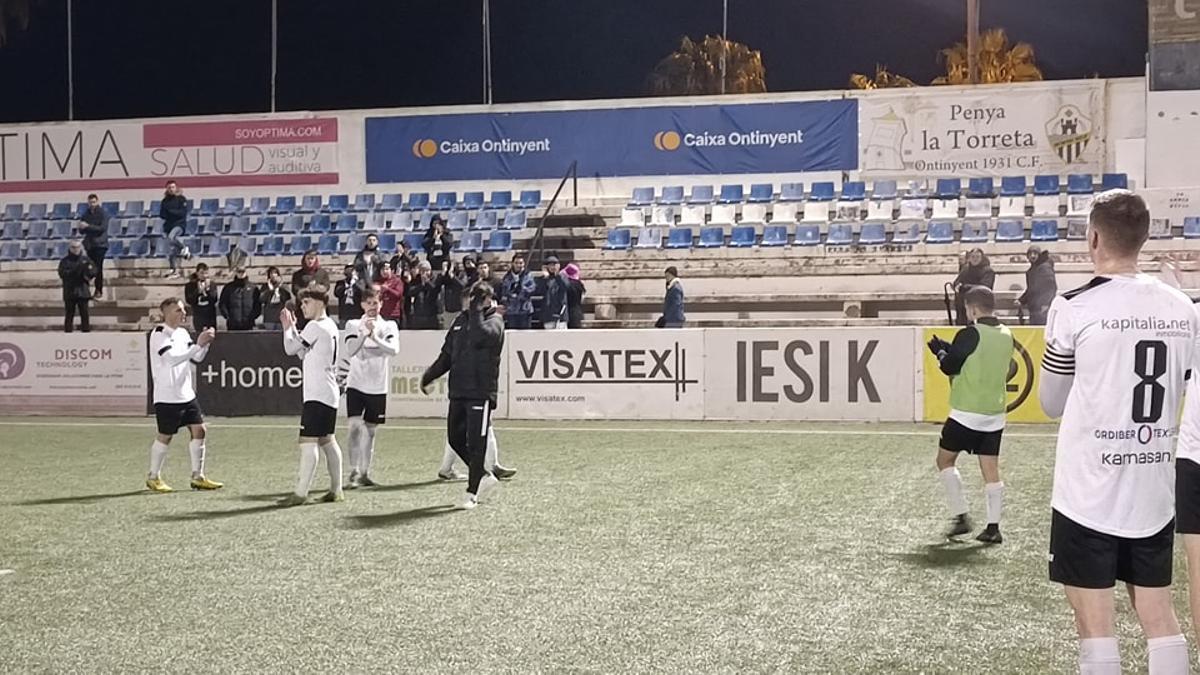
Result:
[
  {"x": 491, "y": 456},
  {"x": 366, "y": 451},
  {"x": 196, "y": 450},
  {"x": 1099, "y": 656},
  {"x": 352, "y": 441},
  {"x": 994, "y": 494},
  {"x": 158, "y": 457},
  {"x": 952, "y": 481},
  {"x": 308, "y": 468},
  {"x": 1168, "y": 655},
  {"x": 333, "y": 462},
  {"x": 448, "y": 457}
]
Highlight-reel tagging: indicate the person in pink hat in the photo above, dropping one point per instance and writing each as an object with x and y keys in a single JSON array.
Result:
[{"x": 575, "y": 292}]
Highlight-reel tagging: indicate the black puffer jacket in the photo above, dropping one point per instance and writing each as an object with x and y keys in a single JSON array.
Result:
[
  {"x": 423, "y": 309},
  {"x": 95, "y": 235},
  {"x": 240, "y": 304},
  {"x": 173, "y": 210},
  {"x": 75, "y": 272},
  {"x": 471, "y": 354}
]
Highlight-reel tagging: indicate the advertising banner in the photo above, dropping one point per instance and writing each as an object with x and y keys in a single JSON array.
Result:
[
  {"x": 247, "y": 373},
  {"x": 121, "y": 155},
  {"x": 984, "y": 131},
  {"x": 668, "y": 140},
  {"x": 612, "y": 374},
  {"x": 73, "y": 374},
  {"x": 809, "y": 374},
  {"x": 1023, "y": 371},
  {"x": 419, "y": 349}
]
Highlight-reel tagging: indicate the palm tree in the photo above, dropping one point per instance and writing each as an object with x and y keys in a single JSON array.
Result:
[
  {"x": 695, "y": 68},
  {"x": 998, "y": 61},
  {"x": 884, "y": 79},
  {"x": 13, "y": 14}
]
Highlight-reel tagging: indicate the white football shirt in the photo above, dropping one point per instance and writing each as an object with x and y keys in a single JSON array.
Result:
[
  {"x": 367, "y": 358},
  {"x": 1128, "y": 342},
  {"x": 318, "y": 346},
  {"x": 172, "y": 354}
]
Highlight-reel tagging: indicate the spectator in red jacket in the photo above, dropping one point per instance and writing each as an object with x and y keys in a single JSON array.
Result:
[{"x": 391, "y": 290}]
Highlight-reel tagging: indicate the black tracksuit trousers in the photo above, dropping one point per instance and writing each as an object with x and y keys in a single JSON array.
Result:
[{"x": 467, "y": 424}]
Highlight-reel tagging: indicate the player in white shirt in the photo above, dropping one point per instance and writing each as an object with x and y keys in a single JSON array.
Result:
[
  {"x": 172, "y": 355},
  {"x": 318, "y": 347},
  {"x": 1117, "y": 351},
  {"x": 366, "y": 369}
]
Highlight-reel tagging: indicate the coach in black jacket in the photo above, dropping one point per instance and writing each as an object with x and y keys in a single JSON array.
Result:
[
  {"x": 93, "y": 225},
  {"x": 471, "y": 354}
]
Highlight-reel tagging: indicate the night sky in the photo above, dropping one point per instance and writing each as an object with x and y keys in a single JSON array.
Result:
[{"x": 147, "y": 58}]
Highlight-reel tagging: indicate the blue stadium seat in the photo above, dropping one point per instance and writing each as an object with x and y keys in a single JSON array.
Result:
[
  {"x": 113, "y": 209},
  {"x": 191, "y": 227},
  {"x": 80, "y": 209},
  {"x": 1080, "y": 184},
  {"x": 38, "y": 229},
  {"x": 300, "y": 243},
  {"x": 642, "y": 196},
  {"x": 808, "y": 235},
  {"x": 974, "y": 231},
  {"x": 196, "y": 246},
  {"x": 501, "y": 199},
  {"x": 1114, "y": 181},
  {"x": 761, "y": 193},
  {"x": 486, "y": 220},
  {"x": 284, "y": 205},
  {"x": 791, "y": 192},
  {"x": 13, "y": 212},
  {"x": 310, "y": 204},
  {"x": 234, "y": 206},
  {"x": 1044, "y": 230},
  {"x": 13, "y": 230},
  {"x": 292, "y": 224},
  {"x": 10, "y": 251},
  {"x": 854, "y": 191},
  {"x": 328, "y": 244},
  {"x": 364, "y": 202},
  {"x": 940, "y": 232},
  {"x": 530, "y": 199},
  {"x": 138, "y": 248},
  {"x": 346, "y": 222},
  {"x": 907, "y": 232},
  {"x": 472, "y": 201},
  {"x": 883, "y": 189},
  {"x": 445, "y": 201},
  {"x": 1012, "y": 186},
  {"x": 1045, "y": 185},
  {"x": 153, "y": 209},
  {"x": 415, "y": 241},
  {"x": 239, "y": 225},
  {"x": 872, "y": 234},
  {"x": 266, "y": 225},
  {"x": 515, "y": 220},
  {"x": 775, "y": 235},
  {"x": 258, "y": 206},
  {"x": 402, "y": 221},
  {"x": 208, "y": 207},
  {"x": 840, "y": 234},
  {"x": 671, "y": 195},
  {"x": 742, "y": 236},
  {"x": 338, "y": 204},
  {"x": 499, "y": 242},
  {"x": 136, "y": 228},
  {"x": 116, "y": 227},
  {"x": 423, "y": 222},
  {"x": 458, "y": 220},
  {"x": 319, "y": 223},
  {"x": 730, "y": 194},
  {"x": 822, "y": 191},
  {"x": 58, "y": 249},
  {"x": 471, "y": 242},
  {"x": 711, "y": 237},
  {"x": 61, "y": 229},
  {"x": 419, "y": 201},
  {"x": 981, "y": 187},
  {"x": 701, "y": 194},
  {"x": 949, "y": 188},
  {"x": 271, "y": 246},
  {"x": 619, "y": 239},
  {"x": 61, "y": 211},
  {"x": 387, "y": 242},
  {"x": 1010, "y": 230},
  {"x": 37, "y": 250},
  {"x": 36, "y": 212},
  {"x": 116, "y": 248},
  {"x": 394, "y": 201},
  {"x": 214, "y": 225},
  {"x": 679, "y": 237},
  {"x": 355, "y": 242}
]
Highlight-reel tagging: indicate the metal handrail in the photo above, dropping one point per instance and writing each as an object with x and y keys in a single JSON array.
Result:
[{"x": 538, "y": 240}]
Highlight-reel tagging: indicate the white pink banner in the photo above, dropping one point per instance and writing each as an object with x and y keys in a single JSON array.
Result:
[
  {"x": 73, "y": 374},
  {"x": 123, "y": 155}
]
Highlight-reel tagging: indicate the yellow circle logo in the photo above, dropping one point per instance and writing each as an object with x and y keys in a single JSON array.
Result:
[
  {"x": 424, "y": 148},
  {"x": 666, "y": 140}
]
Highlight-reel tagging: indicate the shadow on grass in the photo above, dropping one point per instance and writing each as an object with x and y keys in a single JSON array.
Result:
[
  {"x": 403, "y": 486},
  {"x": 215, "y": 515},
  {"x": 400, "y": 517},
  {"x": 82, "y": 499},
  {"x": 272, "y": 497},
  {"x": 946, "y": 554}
]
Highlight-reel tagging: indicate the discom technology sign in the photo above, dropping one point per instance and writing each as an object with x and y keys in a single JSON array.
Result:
[{"x": 667, "y": 140}]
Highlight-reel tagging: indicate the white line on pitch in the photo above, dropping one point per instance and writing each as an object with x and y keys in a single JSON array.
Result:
[
  {"x": 3, "y": 572},
  {"x": 933, "y": 431}
]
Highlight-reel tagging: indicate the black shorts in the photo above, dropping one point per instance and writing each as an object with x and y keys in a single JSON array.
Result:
[
  {"x": 172, "y": 416},
  {"x": 371, "y": 407},
  {"x": 1187, "y": 496},
  {"x": 958, "y": 438},
  {"x": 1085, "y": 558},
  {"x": 317, "y": 420}
]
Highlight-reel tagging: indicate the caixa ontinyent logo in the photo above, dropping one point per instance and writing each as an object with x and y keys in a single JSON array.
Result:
[{"x": 12, "y": 361}]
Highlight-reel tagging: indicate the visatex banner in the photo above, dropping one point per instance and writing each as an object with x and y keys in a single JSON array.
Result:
[{"x": 644, "y": 141}]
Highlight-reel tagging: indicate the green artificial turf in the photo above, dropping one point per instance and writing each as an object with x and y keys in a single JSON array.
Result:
[{"x": 622, "y": 547}]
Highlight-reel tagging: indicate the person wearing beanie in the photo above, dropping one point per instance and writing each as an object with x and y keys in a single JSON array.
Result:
[{"x": 575, "y": 293}]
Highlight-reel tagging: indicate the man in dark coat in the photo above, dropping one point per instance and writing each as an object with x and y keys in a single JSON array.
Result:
[
  {"x": 421, "y": 294},
  {"x": 240, "y": 302},
  {"x": 516, "y": 295},
  {"x": 1040, "y": 286},
  {"x": 368, "y": 264},
  {"x": 93, "y": 225},
  {"x": 76, "y": 270},
  {"x": 673, "y": 315},
  {"x": 976, "y": 271},
  {"x": 554, "y": 302}
]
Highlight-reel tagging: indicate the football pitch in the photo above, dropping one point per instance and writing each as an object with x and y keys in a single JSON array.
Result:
[{"x": 619, "y": 547}]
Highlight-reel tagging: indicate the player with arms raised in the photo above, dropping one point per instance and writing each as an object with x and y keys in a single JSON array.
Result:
[
  {"x": 1117, "y": 351},
  {"x": 172, "y": 355},
  {"x": 366, "y": 370}
]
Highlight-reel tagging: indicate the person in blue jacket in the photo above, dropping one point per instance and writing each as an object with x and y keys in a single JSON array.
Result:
[
  {"x": 174, "y": 211},
  {"x": 516, "y": 295},
  {"x": 672, "y": 316}
]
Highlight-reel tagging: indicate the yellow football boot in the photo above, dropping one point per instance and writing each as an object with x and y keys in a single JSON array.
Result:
[
  {"x": 157, "y": 485},
  {"x": 203, "y": 483}
]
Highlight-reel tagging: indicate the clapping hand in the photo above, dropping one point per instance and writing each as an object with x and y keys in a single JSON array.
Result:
[
  {"x": 367, "y": 327},
  {"x": 286, "y": 318},
  {"x": 938, "y": 345},
  {"x": 206, "y": 337}
]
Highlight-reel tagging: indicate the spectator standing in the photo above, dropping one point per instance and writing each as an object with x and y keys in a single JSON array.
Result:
[
  {"x": 451, "y": 285},
  {"x": 240, "y": 302},
  {"x": 348, "y": 291},
  {"x": 554, "y": 302},
  {"x": 421, "y": 295},
  {"x": 174, "y": 212},
  {"x": 405, "y": 261},
  {"x": 369, "y": 264},
  {"x": 673, "y": 315},
  {"x": 201, "y": 295},
  {"x": 391, "y": 296},
  {"x": 310, "y": 272},
  {"x": 976, "y": 272},
  {"x": 273, "y": 297},
  {"x": 93, "y": 225},
  {"x": 516, "y": 295},
  {"x": 1040, "y": 286},
  {"x": 438, "y": 243},
  {"x": 483, "y": 272},
  {"x": 76, "y": 270},
  {"x": 575, "y": 293}
]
